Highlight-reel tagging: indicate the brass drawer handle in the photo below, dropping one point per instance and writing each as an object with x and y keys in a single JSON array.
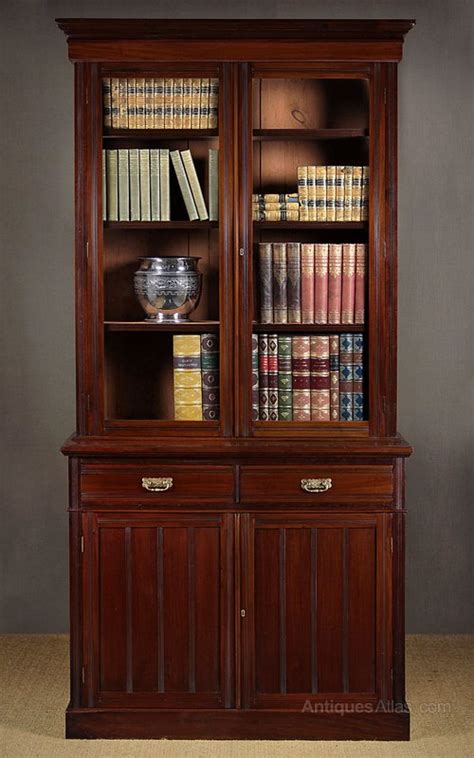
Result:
[
  {"x": 316, "y": 485},
  {"x": 157, "y": 484}
]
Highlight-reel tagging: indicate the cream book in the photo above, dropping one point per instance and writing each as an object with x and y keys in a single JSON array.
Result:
[
  {"x": 204, "y": 105},
  {"x": 158, "y": 103},
  {"x": 155, "y": 184},
  {"x": 347, "y": 193},
  {"x": 213, "y": 184},
  {"x": 114, "y": 102},
  {"x": 123, "y": 186},
  {"x": 104, "y": 186},
  {"x": 132, "y": 103},
  {"x": 195, "y": 103},
  {"x": 184, "y": 185},
  {"x": 123, "y": 103},
  {"x": 145, "y": 213},
  {"x": 134, "y": 174},
  {"x": 193, "y": 180},
  {"x": 112, "y": 184},
  {"x": 165, "y": 184}
]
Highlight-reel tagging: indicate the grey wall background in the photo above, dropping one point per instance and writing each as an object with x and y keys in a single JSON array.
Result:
[{"x": 435, "y": 305}]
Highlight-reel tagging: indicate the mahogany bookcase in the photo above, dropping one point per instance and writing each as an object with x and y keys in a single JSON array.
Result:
[{"x": 235, "y": 604}]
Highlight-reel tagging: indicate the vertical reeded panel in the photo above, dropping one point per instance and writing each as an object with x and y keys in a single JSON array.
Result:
[
  {"x": 330, "y": 588},
  {"x": 206, "y": 594},
  {"x": 176, "y": 609},
  {"x": 144, "y": 616},
  {"x": 361, "y": 610},
  {"x": 298, "y": 610},
  {"x": 112, "y": 610},
  {"x": 267, "y": 610}
]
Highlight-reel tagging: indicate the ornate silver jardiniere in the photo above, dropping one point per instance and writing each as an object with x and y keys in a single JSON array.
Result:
[{"x": 168, "y": 289}]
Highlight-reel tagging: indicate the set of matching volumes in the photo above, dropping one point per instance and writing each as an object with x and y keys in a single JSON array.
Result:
[
  {"x": 307, "y": 377},
  {"x": 136, "y": 185},
  {"x": 160, "y": 103},
  {"x": 302, "y": 283},
  {"x": 196, "y": 377},
  {"x": 275, "y": 207},
  {"x": 333, "y": 193}
]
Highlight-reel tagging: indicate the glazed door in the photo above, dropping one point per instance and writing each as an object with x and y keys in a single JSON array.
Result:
[
  {"x": 316, "y": 616},
  {"x": 158, "y": 590}
]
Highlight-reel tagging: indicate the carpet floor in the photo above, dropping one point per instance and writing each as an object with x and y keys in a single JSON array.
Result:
[{"x": 34, "y": 694}]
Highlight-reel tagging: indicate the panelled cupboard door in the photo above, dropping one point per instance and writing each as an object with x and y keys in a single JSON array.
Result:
[
  {"x": 316, "y": 612},
  {"x": 160, "y": 603}
]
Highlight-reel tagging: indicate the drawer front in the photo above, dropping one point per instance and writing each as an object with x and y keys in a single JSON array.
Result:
[
  {"x": 317, "y": 484},
  {"x": 153, "y": 484}
]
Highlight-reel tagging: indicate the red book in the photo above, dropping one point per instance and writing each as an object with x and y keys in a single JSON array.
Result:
[
  {"x": 335, "y": 282},
  {"x": 359, "y": 308},
  {"x": 307, "y": 283},
  {"x": 348, "y": 283},
  {"x": 321, "y": 284},
  {"x": 301, "y": 378},
  {"x": 319, "y": 378}
]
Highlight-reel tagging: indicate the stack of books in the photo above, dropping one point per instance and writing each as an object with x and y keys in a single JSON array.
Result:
[
  {"x": 333, "y": 193},
  {"x": 300, "y": 283},
  {"x": 160, "y": 103},
  {"x": 275, "y": 207},
  {"x": 307, "y": 377},
  {"x": 136, "y": 185},
  {"x": 196, "y": 377}
]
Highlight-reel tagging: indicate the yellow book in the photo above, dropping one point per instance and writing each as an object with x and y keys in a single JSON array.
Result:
[
  {"x": 320, "y": 193},
  {"x": 330, "y": 193},
  {"x": 132, "y": 103},
  {"x": 123, "y": 104},
  {"x": 303, "y": 192},
  {"x": 169, "y": 104},
  {"x": 187, "y": 102},
  {"x": 140, "y": 103},
  {"x": 204, "y": 105},
  {"x": 312, "y": 213},
  {"x": 347, "y": 193},
  {"x": 195, "y": 103},
  {"x": 339, "y": 193},
  {"x": 187, "y": 377},
  {"x": 356, "y": 192},
  {"x": 213, "y": 103},
  {"x": 158, "y": 103},
  {"x": 107, "y": 101},
  {"x": 149, "y": 95}
]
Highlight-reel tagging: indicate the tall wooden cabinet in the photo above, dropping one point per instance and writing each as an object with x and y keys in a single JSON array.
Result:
[{"x": 214, "y": 592}]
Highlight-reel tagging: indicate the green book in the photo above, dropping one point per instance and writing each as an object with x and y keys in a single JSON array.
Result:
[{"x": 285, "y": 387}]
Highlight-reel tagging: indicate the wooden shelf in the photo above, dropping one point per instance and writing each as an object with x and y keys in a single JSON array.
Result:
[
  {"x": 161, "y": 224},
  {"x": 310, "y": 224},
  {"x": 311, "y": 328},
  {"x": 308, "y": 134},
  {"x": 160, "y": 134},
  {"x": 201, "y": 327}
]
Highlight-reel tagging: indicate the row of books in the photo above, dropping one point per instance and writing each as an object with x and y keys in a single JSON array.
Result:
[
  {"x": 196, "y": 377},
  {"x": 136, "y": 185},
  {"x": 306, "y": 283},
  {"x": 275, "y": 207},
  {"x": 160, "y": 103},
  {"x": 333, "y": 193},
  {"x": 307, "y": 378}
]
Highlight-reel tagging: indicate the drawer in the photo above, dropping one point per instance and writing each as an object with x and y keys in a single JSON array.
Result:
[
  {"x": 155, "y": 483},
  {"x": 317, "y": 484}
]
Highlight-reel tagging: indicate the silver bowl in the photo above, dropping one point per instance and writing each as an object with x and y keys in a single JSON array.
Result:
[{"x": 168, "y": 289}]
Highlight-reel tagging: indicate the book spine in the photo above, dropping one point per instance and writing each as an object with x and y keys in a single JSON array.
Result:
[
  {"x": 263, "y": 377},
  {"x": 123, "y": 104},
  {"x": 319, "y": 378},
  {"x": 112, "y": 185},
  {"x": 320, "y": 193},
  {"x": 339, "y": 193},
  {"x": 346, "y": 360},
  {"x": 155, "y": 184},
  {"x": 187, "y": 102},
  {"x": 187, "y": 377},
  {"x": 213, "y": 184},
  {"x": 159, "y": 103},
  {"x": 123, "y": 186},
  {"x": 294, "y": 282},
  {"x": 213, "y": 103},
  {"x": 145, "y": 210},
  {"x": 104, "y": 185},
  {"x": 168, "y": 103},
  {"x": 204, "y": 105},
  {"x": 107, "y": 101},
  {"x": 303, "y": 192},
  {"x": 280, "y": 215},
  {"x": 195, "y": 103},
  {"x": 358, "y": 378},
  {"x": 140, "y": 102},
  {"x": 334, "y": 284},
  {"x": 285, "y": 382},
  {"x": 356, "y": 193},
  {"x": 114, "y": 98},
  {"x": 307, "y": 283},
  {"x": 193, "y": 180},
  {"x": 273, "y": 197},
  {"x": 348, "y": 283},
  {"x": 300, "y": 362},
  {"x": 149, "y": 95},
  {"x": 364, "y": 195},
  {"x": 312, "y": 200},
  {"x": 347, "y": 193},
  {"x": 334, "y": 376},
  {"x": 359, "y": 305},
  {"x": 184, "y": 185},
  {"x": 330, "y": 193},
  {"x": 165, "y": 184},
  {"x": 210, "y": 376},
  {"x": 265, "y": 206},
  {"x": 177, "y": 103},
  {"x": 265, "y": 259},
  {"x": 134, "y": 177},
  {"x": 280, "y": 283},
  {"x": 321, "y": 283},
  {"x": 255, "y": 384},
  {"x": 132, "y": 103},
  {"x": 273, "y": 377}
]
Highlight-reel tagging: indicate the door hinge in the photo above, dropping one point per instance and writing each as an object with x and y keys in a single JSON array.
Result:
[
  {"x": 82, "y": 543},
  {"x": 83, "y": 675},
  {"x": 241, "y": 252},
  {"x": 242, "y": 612}
]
